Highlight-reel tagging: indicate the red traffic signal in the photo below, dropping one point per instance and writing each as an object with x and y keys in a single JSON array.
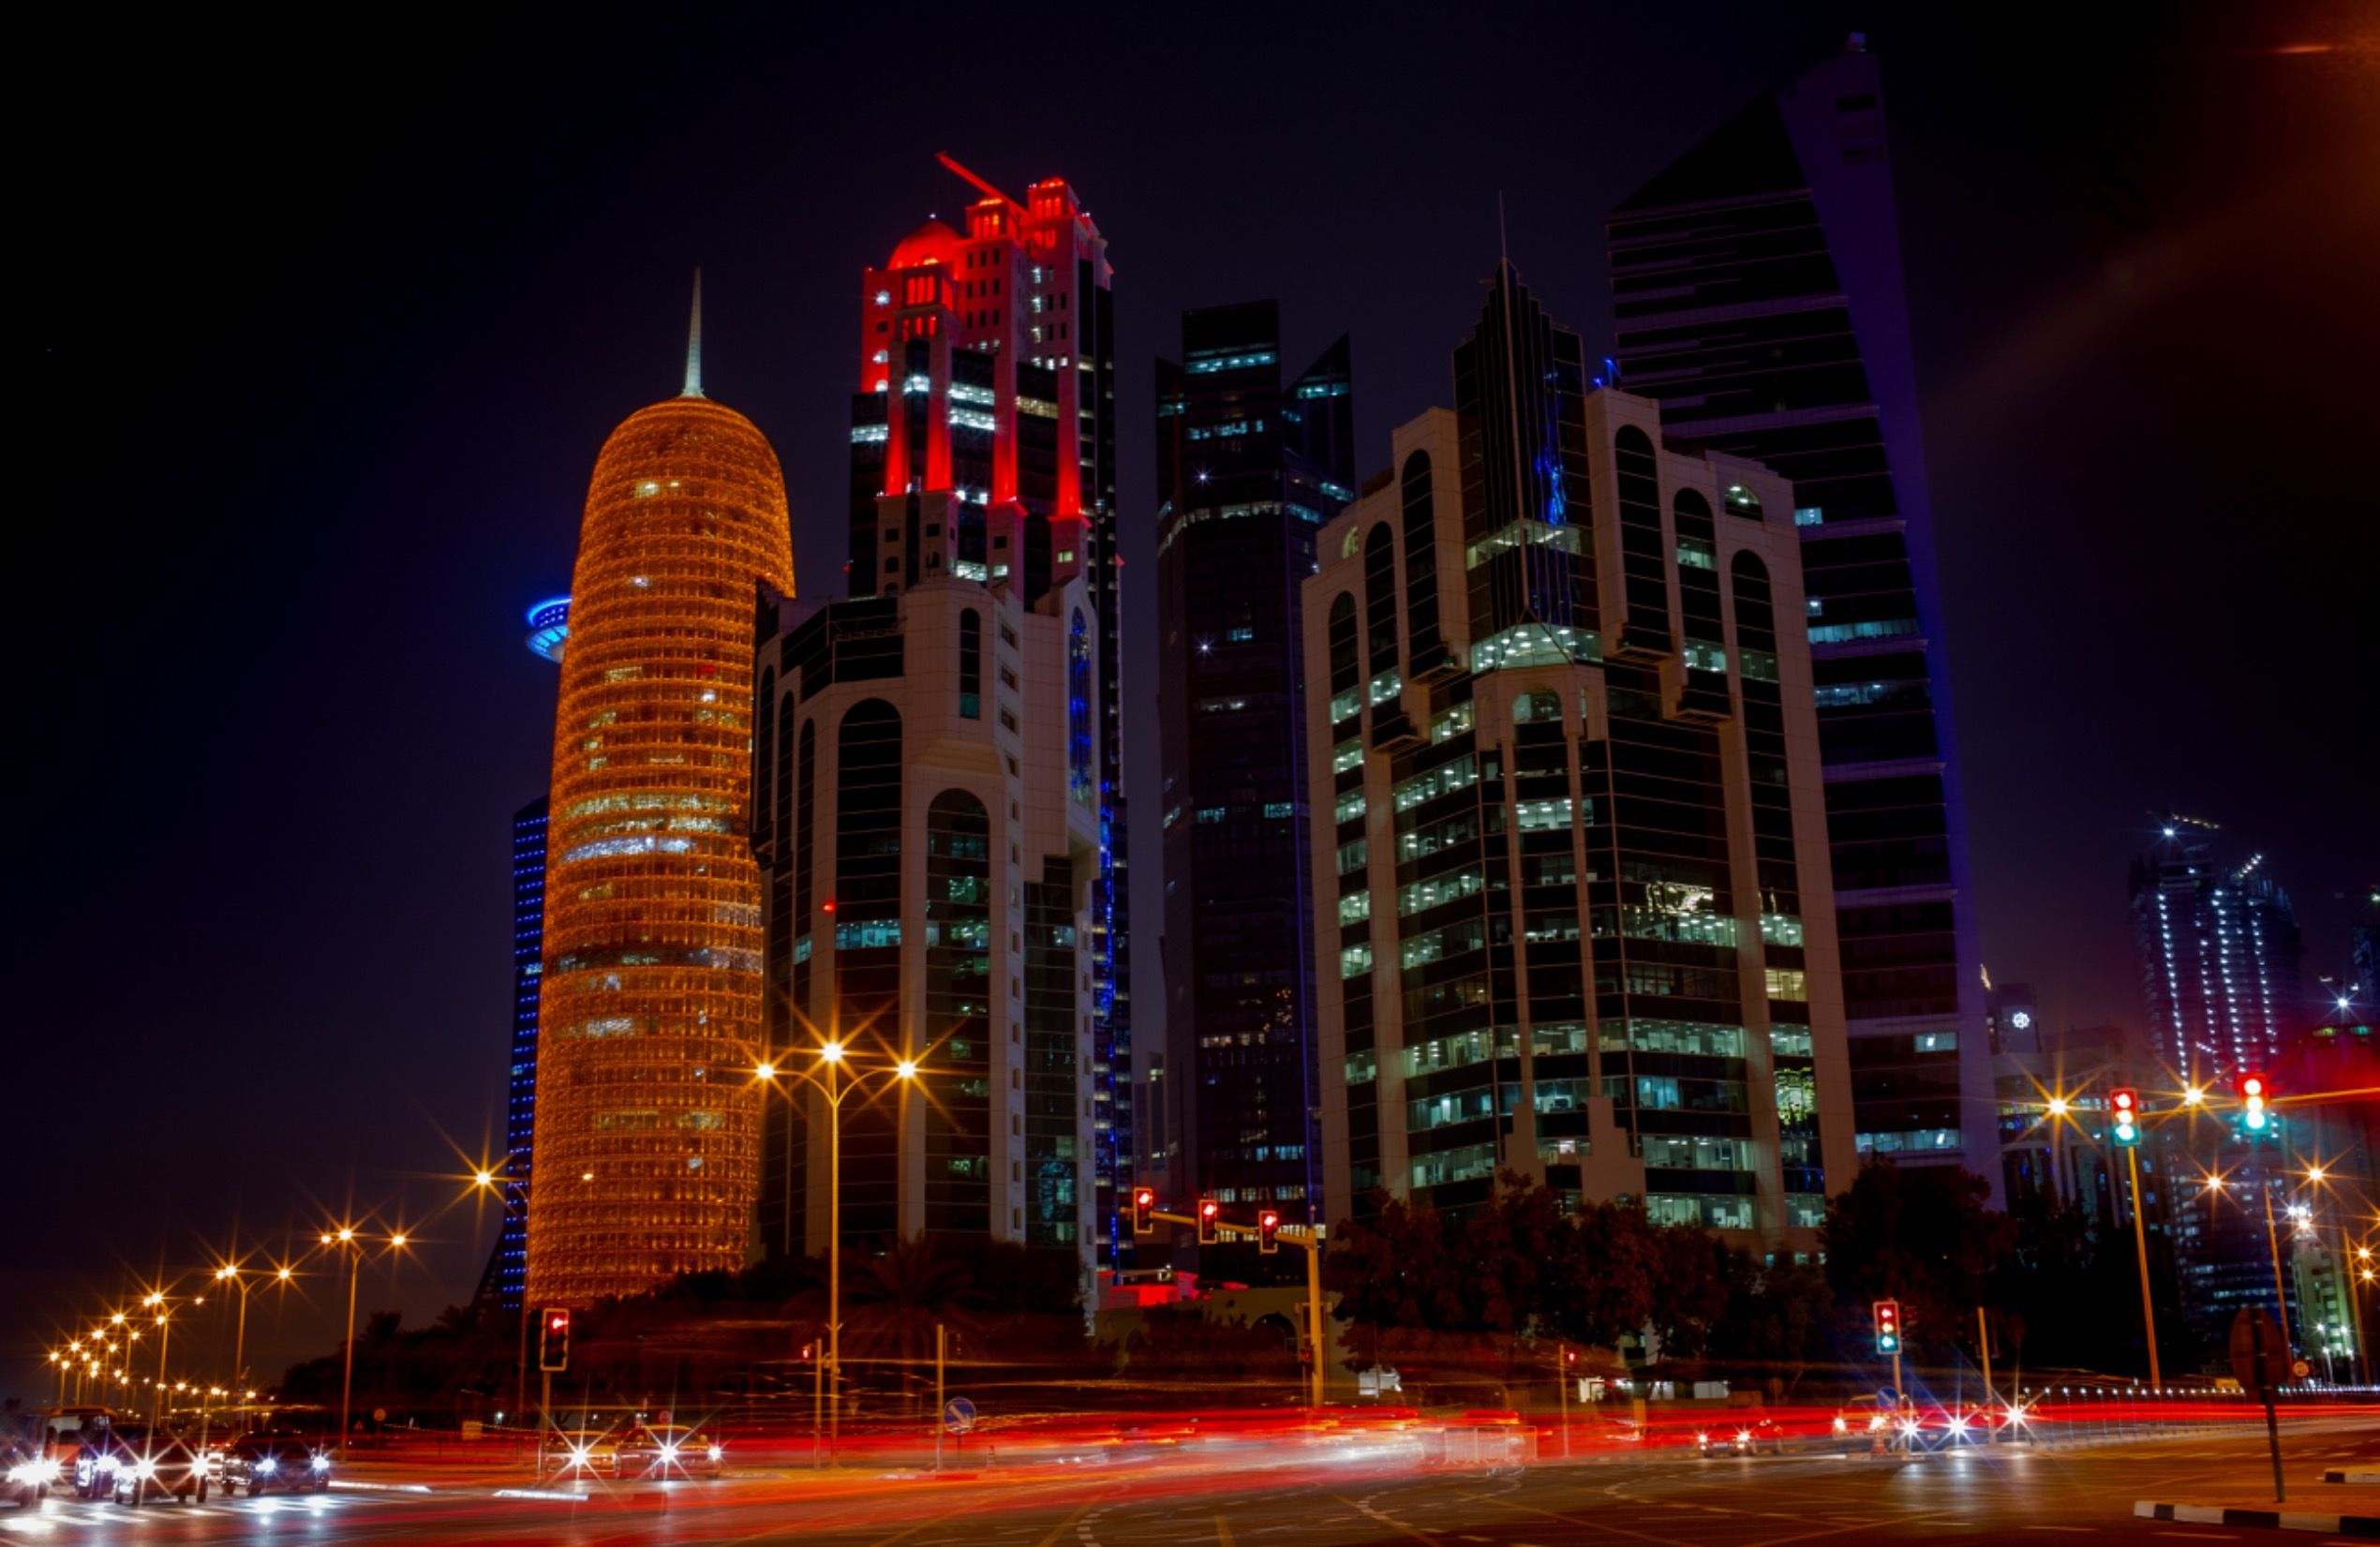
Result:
[
  {"x": 2254, "y": 1092},
  {"x": 1209, "y": 1222},
  {"x": 554, "y": 1341},
  {"x": 1268, "y": 1230},
  {"x": 1888, "y": 1326},
  {"x": 2123, "y": 1104},
  {"x": 1144, "y": 1209}
]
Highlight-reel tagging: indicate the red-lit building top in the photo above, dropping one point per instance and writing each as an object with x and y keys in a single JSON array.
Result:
[{"x": 979, "y": 379}]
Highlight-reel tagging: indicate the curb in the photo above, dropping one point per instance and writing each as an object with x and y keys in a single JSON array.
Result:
[
  {"x": 2341, "y": 1475},
  {"x": 2271, "y": 1520}
]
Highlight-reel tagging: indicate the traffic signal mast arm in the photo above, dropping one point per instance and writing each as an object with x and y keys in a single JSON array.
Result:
[
  {"x": 1305, "y": 1238},
  {"x": 1302, "y": 1237}
]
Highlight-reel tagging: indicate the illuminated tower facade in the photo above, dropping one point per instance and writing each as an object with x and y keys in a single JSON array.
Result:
[
  {"x": 548, "y": 630},
  {"x": 650, "y": 1006},
  {"x": 1571, "y": 894},
  {"x": 987, "y": 370},
  {"x": 1757, "y": 297},
  {"x": 1251, "y": 462},
  {"x": 2219, "y": 953}
]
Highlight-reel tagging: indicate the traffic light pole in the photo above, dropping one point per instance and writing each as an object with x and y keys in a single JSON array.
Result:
[
  {"x": 2280, "y": 1290},
  {"x": 1310, "y": 1243},
  {"x": 2140, "y": 1244}
]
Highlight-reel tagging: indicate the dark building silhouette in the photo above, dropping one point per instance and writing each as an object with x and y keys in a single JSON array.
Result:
[
  {"x": 1757, "y": 292},
  {"x": 1249, "y": 466}
]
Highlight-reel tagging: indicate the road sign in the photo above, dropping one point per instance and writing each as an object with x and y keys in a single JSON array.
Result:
[
  {"x": 2302, "y": 1369},
  {"x": 379, "y": 1414},
  {"x": 959, "y": 1415},
  {"x": 2253, "y": 1332}
]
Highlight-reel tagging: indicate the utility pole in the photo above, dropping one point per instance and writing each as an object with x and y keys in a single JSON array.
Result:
[
  {"x": 1982, "y": 1341},
  {"x": 940, "y": 1343},
  {"x": 2140, "y": 1244}
]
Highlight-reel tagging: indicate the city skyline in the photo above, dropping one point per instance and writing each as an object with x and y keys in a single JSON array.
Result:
[{"x": 213, "y": 980}]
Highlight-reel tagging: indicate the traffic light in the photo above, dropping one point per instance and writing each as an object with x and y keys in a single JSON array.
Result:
[
  {"x": 1144, "y": 1209},
  {"x": 1209, "y": 1222},
  {"x": 2254, "y": 1091},
  {"x": 554, "y": 1341},
  {"x": 1888, "y": 1326},
  {"x": 1268, "y": 1230},
  {"x": 2123, "y": 1104}
]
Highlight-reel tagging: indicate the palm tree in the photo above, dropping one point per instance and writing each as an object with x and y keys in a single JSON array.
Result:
[{"x": 897, "y": 1299}]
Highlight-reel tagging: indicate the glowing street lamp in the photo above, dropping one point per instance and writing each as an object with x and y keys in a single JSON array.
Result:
[
  {"x": 834, "y": 1085},
  {"x": 348, "y": 1240}
]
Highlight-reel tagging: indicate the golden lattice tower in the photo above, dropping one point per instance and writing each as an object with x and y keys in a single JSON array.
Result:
[{"x": 647, "y": 1126}]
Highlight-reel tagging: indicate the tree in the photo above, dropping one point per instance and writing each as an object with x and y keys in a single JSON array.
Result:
[
  {"x": 1921, "y": 1237},
  {"x": 1393, "y": 1274}
]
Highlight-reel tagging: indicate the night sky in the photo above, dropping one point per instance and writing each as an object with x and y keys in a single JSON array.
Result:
[{"x": 318, "y": 336}]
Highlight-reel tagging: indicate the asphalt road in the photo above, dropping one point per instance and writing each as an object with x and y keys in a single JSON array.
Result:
[{"x": 2074, "y": 1493}]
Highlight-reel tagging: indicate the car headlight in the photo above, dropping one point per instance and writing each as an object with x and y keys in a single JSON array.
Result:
[
  {"x": 268, "y": 1464},
  {"x": 144, "y": 1469},
  {"x": 109, "y": 1463},
  {"x": 1743, "y": 1436},
  {"x": 716, "y": 1453},
  {"x": 578, "y": 1455},
  {"x": 322, "y": 1463},
  {"x": 669, "y": 1453},
  {"x": 1702, "y": 1439},
  {"x": 1841, "y": 1427},
  {"x": 1958, "y": 1426}
]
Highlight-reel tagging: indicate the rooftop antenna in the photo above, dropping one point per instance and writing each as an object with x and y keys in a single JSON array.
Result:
[
  {"x": 952, "y": 163},
  {"x": 694, "y": 343},
  {"x": 1511, "y": 365}
]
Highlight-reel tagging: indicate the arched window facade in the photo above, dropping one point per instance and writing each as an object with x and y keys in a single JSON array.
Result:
[
  {"x": 1347, "y": 668},
  {"x": 1644, "y": 570},
  {"x": 1698, "y": 600},
  {"x": 865, "y": 935},
  {"x": 1421, "y": 562},
  {"x": 1379, "y": 599},
  {"x": 971, "y": 665},
  {"x": 959, "y": 997}
]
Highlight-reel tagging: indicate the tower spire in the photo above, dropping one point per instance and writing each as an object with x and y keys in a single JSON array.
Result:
[{"x": 694, "y": 343}]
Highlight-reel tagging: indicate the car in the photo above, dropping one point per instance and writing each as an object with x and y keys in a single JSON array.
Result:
[
  {"x": 30, "y": 1472},
  {"x": 156, "y": 1464},
  {"x": 100, "y": 1448},
  {"x": 581, "y": 1454},
  {"x": 1742, "y": 1437},
  {"x": 256, "y": 1463},
  {"x": 666, "y": 1451}
]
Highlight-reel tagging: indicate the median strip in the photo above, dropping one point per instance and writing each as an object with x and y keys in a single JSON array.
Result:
[{"x": 2261, "y": 1519}]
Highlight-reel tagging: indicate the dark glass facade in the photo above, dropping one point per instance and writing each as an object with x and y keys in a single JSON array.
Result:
[
  {"x": 520, "y": 1105},
  {"x": 1250, "y": 464},
  {"x": 1757, "y": 295}
]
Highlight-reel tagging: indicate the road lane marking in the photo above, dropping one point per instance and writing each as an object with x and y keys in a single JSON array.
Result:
[{"x": 1222, "y": 1529}]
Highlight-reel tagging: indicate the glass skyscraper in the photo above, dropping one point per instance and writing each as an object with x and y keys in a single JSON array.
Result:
[
  {"x": 1757, "y": 294},
  {"x": 1250, "y": 464},
  {"x": 1570, "y": 895}
]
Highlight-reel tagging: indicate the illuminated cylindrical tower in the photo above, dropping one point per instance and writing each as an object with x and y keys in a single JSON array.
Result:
[{"x": 648, "y": 1124}]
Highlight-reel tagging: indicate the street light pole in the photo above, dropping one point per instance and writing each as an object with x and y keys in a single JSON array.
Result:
[{"x": 834, "y": 1057}]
